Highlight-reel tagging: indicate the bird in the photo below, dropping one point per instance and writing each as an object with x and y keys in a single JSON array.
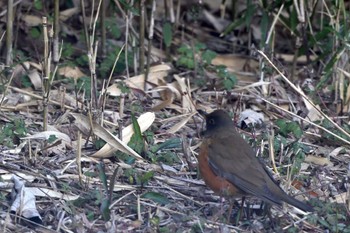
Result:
[{"x": 228, "y": 165}]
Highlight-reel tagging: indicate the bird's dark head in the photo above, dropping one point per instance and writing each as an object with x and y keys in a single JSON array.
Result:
[{"x": 217, "y": 120}]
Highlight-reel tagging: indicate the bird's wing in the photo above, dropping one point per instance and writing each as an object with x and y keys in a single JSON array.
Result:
[{"x": 232, "y": 158}]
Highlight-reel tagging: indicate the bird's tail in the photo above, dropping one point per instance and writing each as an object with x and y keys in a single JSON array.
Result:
[{"x": 299, "y": 204}]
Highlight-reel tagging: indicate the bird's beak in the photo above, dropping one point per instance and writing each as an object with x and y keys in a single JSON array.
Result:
[{"x": 202, "y": 113}]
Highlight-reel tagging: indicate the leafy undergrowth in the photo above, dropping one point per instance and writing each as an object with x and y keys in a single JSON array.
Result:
[{"x": 120, "y": 155}]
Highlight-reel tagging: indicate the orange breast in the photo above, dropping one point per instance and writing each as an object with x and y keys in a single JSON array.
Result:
[{"x": 218, "y": 184}]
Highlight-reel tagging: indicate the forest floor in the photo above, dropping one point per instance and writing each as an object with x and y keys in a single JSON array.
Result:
[{"x": 109, "y": 152}]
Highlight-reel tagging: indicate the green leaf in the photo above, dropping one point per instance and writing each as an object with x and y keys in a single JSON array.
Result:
[
  {"x": 232, "y": 26},
  {"x": 149, "y": 136},
  {"x": 90, "y": 174},
  {"x": 136, "y": 141},
  {"x": 297, "y": 131},
  {"x": 136, "y": 126},
  {"x": 168, "y": 158},
  {"x": 249, "y": 13},
  {"x": 184, "y": 49},
  {"x": 83, "y": 60},
  {"x": 25, "y": 81},
  {"x": 289, "y": 127},
  {"x": 106, "y": 65},
  {"x": 90, "y": 216},
  {"x": 323, "y": 222},
  {"x": 113, "y": 28},
  {"x": 102, "y": 175},
  {"x": 282, "y": 124},
  {"x": 155, "y": 221},
  {"x": 38, "y": 5},
  {"x": 329, "y": 68},
  {"x": 323, "y": 34},
  {"x": 105, "y": 211},
  {"x": 156, "y": 197},
  {"x": 52, "y": 138},
  {"x": 199, "y": 46},
  {"x": 67, "y": 50},
  {"x": 146, "y": 177},
  {"x": 99, "y": 143},
  {"x": 123, "y": 87},
  {"x": 130, "y": 7},
  {"x": 84, "y": 83},
  {"x": 228, "y": 84},
  {"x": 167, "y": 34},
  {"x": 293, "y": 127},
  {"x": 35, "y": 33},
  {"x": 294, "y": 20},
  {"x": 264, "y": 26},
  {"x": 130, "y": 173},
  {"x": 168, "y": 144},
  {"x": 186, "y": 62},
  {"x": 208, "y": 56},
  {"x": 230, "y": 79}
]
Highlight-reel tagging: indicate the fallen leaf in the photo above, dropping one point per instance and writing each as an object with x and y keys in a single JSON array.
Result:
[
  {"x": 47, "y": 134},
  {"x": 98, "y": 130},
  {"x": 145, "y": 121},
  {"x": 181, "y": 124},
  {"x": 318, "y": 160},
  {"x": 71, "y": 72},
  {"x": 32, "y": 20}
]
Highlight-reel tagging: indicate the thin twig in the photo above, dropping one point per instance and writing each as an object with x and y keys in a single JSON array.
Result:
[{"x": 307, "y": 99}]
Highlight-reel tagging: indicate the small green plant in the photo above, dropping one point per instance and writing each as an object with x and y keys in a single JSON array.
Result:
[
  {"x": 154, "y": 221},
  {"x": 106, "y": 65},
  {"x": 67, "y": 50},
  {"x": 201, "y": 57},
  {"x": 123, "y": 87},
  {"x": 25, "y": 81},
  {"x": 113, "y": 28},
  {"x": 103, "y": 199},
  {"x": 229, "y": 79},
  {"x": 85, "y": 199},
  {"x": 332, "y": 216},
  {"x": 299, "y": 156},
  {"x": 35, "y": 32},
  {"x": 99, "y": 143},
  {"x": 330, "y": 138},
  {"x": 38, "y": 5},
  {"x": 11, "y": 132},
  {"x": 167, "y": 34},
  {"x": 84, "y": 84},
  {"x": 290, "y": 129},
  {"x": 82, "y": 61},
  {"x": 136, "y": 142},
  {"x": 156, "y": 197},
  {"x": 287, "y": 127},
  {"x": 52, "y": 138},
  {"x": 130, "y": 175},
  {"x": 187, "y": 55},
  {"x": 135, "y": 177},
  {"x": 163, "y": 152},
  {"x": 130, "y": 7},
  {"x": 144, "y": 178}
]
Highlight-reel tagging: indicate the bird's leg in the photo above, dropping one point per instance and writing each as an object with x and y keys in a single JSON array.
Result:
[
  {"x": 230, "y": 211},
  {"x": 240, "y": 213},
  {"x": 267, "y": 209},
  {"x": 222, "y": 201}
]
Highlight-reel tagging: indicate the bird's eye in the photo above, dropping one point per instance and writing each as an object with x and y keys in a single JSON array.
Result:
[{"x": 211, "y": 121}]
